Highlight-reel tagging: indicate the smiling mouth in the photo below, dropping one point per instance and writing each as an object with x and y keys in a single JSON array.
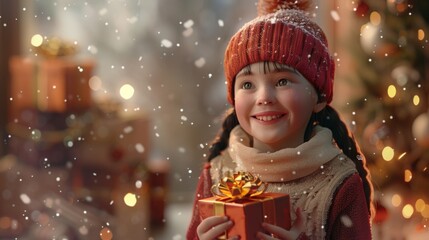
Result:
[{"x": 268, "y": 118}]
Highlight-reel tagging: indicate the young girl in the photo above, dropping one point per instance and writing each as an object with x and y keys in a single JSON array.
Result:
[{"x": 282, "y": 129}]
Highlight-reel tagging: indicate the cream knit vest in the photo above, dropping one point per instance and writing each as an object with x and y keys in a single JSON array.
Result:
[{"x": 313, "y": 193}]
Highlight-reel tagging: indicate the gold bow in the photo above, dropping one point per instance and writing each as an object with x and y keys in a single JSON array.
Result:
[
  {"x": 238, "y": 186},
  {"x": 56, "y": 47}
]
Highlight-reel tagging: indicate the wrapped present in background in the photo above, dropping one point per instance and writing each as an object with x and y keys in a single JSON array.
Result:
[
  {"x": 112, "y": 140},
  {"x": 52, "y": 85},
  {"x": 54, "y": 123},
  {"x": 158, "y": 181},
  {"x": 47, "y": 92},
  {"x": 108, "y": 153},
  {"x": 240, "y": 198},
  {"x": 40, "y": 138}
]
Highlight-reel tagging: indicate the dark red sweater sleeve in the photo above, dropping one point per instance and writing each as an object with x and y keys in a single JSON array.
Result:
[
  {"x": 203, "y": 191},
  {"x": 349, "y": 216}
]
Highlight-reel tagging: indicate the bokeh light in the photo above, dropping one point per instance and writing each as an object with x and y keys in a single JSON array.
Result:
[
  {"x": 408, "y": 175},
  {"x": 95, "y": 83},
  {"x": 388, "y": 153},
  {"x": 416, "y": 100},
  {"x": 126, "y": 91},
  {"x": 130, "y": 199},
  {"x": 106, "y": 234},
  {"x": 36, "y": 40},
  {"x": 391, "y": 91},
  {"x": 407, "y": 211},
  {"x": 421, "y": 34},
  {"x": 396, "y": 200},
  {"x": 425, "y": 212},
  {"x": 375, "y": 18},
  {"x": 420, "y": 205}
]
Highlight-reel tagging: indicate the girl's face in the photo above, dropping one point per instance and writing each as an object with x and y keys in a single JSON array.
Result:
[{"x": 273, "y": 104}]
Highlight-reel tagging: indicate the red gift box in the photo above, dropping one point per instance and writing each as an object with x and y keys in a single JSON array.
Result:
[{"x": 248, "y": 214}]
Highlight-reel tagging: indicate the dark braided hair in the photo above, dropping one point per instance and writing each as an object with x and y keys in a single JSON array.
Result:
[
  {"x": 328, "y": 118},
  {"x": 221, "y": 141}
]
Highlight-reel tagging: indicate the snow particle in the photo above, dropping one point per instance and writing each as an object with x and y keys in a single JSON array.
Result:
[
  {"x": 188, "y": 24},
  {"x": 25, "y": 198},
  {"x": 335, "y": 15},
  {"x": 200, "y": 62},
  {"x": 220, "y": 23},
  {"x": 139, "y": 148},
  {"x": 347, "y": 221},
  {"x": 83, "y": 230},
  {"x": 138, "y": 184},
  {"x": 166, "y": 43}
]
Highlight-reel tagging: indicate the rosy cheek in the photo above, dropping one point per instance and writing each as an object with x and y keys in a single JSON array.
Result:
[{"x": 241, "y": 109}]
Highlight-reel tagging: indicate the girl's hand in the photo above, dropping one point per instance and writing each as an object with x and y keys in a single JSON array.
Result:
[
  {"x": 296, "y": 229},
  {"x": 213, "y": 227}
]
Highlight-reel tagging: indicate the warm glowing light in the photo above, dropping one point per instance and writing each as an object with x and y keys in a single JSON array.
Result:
[
  {"x": 388, "y": 153},
  {"x": 396, "y": 200},
  {"x": 36, "y": 40},
  {"x": 375, "y": 18},
  {"x": 391, "y": 91},
  {"x": 126, "y": 91},
  {"x": 408, "y": 175},
  {"x": 5, "y": 223},
  {"x": 130, "y": 199},
  {"x": 425, "y": 212},
  {"x": 407, "y": 211},
  {"x": 416, "y": 100},
  {"x": 402, "y": 155},
  {"x": 95, "y": 83},
  {"x": 420, "y": 205},
  {"x": 106, "y": 234},
  {"x": 420, "y": 34}
]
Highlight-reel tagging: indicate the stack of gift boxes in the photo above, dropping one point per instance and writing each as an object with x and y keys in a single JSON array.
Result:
[
  {"x": 54, "y": 124},
  {"x": 43, "y": 94}
]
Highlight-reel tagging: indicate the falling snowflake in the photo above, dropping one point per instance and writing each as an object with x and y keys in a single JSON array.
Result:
[
  {"x": 199, "y": 63},
  {"x": 25, "y": 198},
  {"x": 166, "y": 43}
]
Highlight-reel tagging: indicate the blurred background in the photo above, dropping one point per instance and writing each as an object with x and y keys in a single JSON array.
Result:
[{"x": 108, "y": 109}]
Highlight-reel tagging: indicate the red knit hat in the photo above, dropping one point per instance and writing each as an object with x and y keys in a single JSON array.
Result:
[{"x": 282, "y": 33}]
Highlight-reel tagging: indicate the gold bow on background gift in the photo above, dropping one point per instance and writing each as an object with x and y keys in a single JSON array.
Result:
[
  {"x": 55, "y": 47},
  {"x": 239, "y": 185}
]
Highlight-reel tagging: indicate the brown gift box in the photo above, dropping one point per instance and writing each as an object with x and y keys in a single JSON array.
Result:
[
  {"x": 51, "y": 85},
  {"x": 249, "y": 214}
]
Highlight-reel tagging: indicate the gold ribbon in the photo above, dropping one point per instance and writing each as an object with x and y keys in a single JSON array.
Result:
[
  {"x": 219, "y": 210},
  {"x": 56, "y": 47},
  {"x": 240, "y": 185}
]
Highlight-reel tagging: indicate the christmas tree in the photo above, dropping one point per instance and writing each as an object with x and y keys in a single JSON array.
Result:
[{"x": 388, "y": 112}]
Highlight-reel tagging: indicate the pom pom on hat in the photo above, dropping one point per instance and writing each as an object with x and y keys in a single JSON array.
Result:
[
  {"x": 271, "y": 6},
  {"x": 282, "y": 33}
]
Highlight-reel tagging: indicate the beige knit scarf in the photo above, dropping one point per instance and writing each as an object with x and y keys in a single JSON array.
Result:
[{"x": 286, "y": 164}]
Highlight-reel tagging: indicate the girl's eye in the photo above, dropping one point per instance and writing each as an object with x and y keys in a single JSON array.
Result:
[
  {"x": 246, "y": 85},
  {"x": 282, "y": 82}
]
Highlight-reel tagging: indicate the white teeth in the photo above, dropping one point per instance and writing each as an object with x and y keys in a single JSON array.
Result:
[{"x": 267, "y": 118}]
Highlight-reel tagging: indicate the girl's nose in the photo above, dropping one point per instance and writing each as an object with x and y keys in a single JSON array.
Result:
[{"x": 266, "y": 96}]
